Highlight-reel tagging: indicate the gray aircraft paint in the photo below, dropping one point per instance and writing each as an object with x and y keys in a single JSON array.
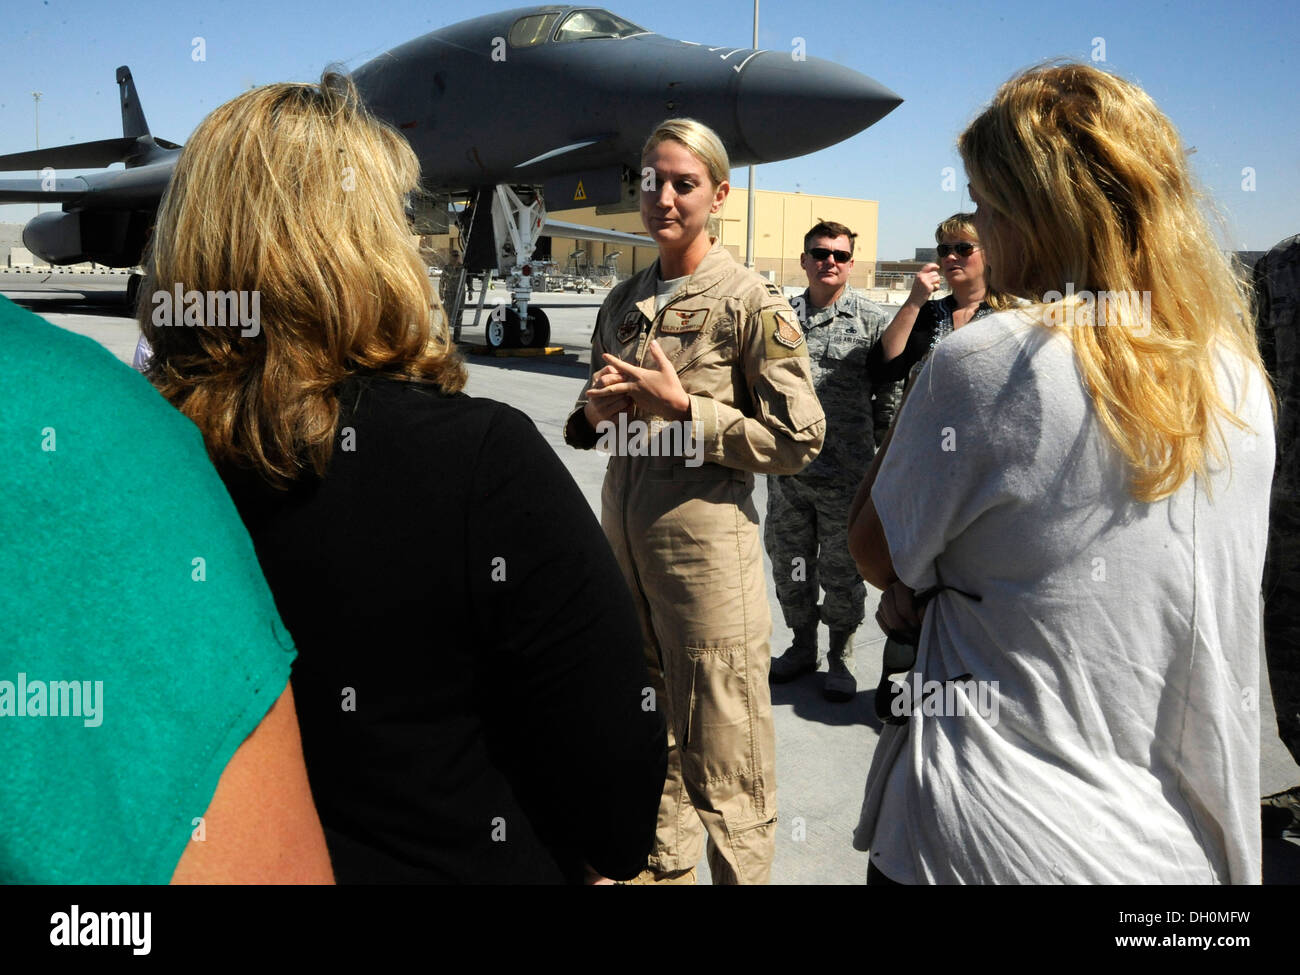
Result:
[{"x": 474, "y": 121}]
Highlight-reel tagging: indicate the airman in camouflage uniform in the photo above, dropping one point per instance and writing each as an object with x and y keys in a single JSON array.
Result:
[
  {"x": 1277, "y": 283},
  {"x": 806, "y": 533}
]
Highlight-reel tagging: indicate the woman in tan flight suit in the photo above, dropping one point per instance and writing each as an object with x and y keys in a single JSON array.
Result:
[{"x": 700, "y": 380}]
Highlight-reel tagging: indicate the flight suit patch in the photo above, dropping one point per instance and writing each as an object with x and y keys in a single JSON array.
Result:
[
  {"x": 675, "y": 322},
  {"x": 781, "y": 334},
  {"x": 630, "y": 325}
]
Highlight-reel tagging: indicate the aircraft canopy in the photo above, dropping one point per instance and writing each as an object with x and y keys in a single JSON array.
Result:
[{"x": 578, "y": 25}]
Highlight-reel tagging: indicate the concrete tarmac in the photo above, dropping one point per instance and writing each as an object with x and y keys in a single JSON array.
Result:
[{"x": 823, "y": 749}]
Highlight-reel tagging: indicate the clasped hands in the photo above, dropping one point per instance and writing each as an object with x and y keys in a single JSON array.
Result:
[{"x": 656, "y": 390}]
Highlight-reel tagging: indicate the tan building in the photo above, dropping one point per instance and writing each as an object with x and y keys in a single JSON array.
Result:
[{"x": 781, "y": 220}]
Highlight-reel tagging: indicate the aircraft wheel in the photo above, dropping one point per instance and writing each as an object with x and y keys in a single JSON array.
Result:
[
  {"x": 502, "y": 333},
  {"x": 533, "y": 334}
]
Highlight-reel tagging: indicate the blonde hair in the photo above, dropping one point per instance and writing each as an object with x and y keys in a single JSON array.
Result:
[
  {"x": 958, "y": 225},
  {"x": 1089, "y": 190},
  {"x": 699, "y": 139},
  {"x": 963, "y": 225},
  {"x": 295, "y": 194}
]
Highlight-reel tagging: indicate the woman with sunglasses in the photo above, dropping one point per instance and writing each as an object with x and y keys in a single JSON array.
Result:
[
  {"x": 1083, "y": 483},
  {"x": 922, "y": 322}
]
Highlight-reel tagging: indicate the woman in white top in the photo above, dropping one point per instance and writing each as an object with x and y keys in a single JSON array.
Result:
[{"x": 1080, "y": 490}]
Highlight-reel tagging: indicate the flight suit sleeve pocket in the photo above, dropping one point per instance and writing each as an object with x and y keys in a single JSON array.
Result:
[{"x": 788, "y": 396}]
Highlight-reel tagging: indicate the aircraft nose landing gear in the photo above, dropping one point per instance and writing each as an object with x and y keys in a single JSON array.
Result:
[
  {"x": 500, "y": 227},
  {"x": 505, "y": 331},
  {"x": 535, "y": 332}
]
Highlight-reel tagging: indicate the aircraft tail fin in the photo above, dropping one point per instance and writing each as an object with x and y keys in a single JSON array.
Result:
[
  {"x": 135, "y": 147},
  {"x": 133, "y": 120}
]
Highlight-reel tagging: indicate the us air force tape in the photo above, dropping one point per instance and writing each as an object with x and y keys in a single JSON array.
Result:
[
  {"x": 781, "y": 334},
  {"x": 676, "y": 321}
]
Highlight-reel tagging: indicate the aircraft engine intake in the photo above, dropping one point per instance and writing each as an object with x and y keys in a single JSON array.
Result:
[{"x": 113, "y": 238}]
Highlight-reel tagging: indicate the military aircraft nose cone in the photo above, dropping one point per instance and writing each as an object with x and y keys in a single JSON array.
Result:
[{"x": 786, "y": 108}]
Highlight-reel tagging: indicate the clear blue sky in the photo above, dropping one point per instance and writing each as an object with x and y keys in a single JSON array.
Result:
[{"x": 1227, "y": 74}]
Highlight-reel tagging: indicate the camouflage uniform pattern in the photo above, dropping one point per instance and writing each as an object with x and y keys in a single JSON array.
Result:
[
  {"x": 1277, "y": 284},
  {"x": 806, "y": 530}
]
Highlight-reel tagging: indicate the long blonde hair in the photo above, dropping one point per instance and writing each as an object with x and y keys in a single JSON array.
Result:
[
  {"x": 295, "y": 194},
  {"x": 1089, "y": 190}
]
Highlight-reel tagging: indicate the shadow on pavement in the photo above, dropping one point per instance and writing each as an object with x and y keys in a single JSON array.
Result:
[
  {"x": 567, "y": 365},
  {"x": 72, "y": 302},
  {"x": 1281, "y": 861},
  {"x": 805, "y": 695}
]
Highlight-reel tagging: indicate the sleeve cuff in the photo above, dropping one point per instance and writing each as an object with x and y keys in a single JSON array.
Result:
[
  {"x": 704, "y": 420},
  {"x": 577, "y": 431}
]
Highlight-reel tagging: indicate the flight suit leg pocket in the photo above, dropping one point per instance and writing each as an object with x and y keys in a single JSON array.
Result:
[{"x": 719, "y": 723}]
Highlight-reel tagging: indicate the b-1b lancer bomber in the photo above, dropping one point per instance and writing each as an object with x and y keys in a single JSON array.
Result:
[{"x": 504, "y": 112}]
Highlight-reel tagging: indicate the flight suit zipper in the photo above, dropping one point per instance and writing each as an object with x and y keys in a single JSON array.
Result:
[{"x": 627, "y": 492}]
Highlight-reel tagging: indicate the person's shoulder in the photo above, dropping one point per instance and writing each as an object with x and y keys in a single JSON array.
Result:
[
  {"x": 384, "y": 388},
  {"x": 996, "y": 344},
  {"x": 1280, "y": 268},
  {"x": 58, "y": 377},
  {"x": 640, "y": 283},
  {"x": 865, "y": 307},
  {"x": 1284, "y": 251},
  {"x": 396, "y": 400},
  {"x": 1243, "y": 386},
  {"x": 407, "y": 415},
  {"x": 992, "y": 334},
  {"x": 42, "y": 352},
  {"x": 499, "y": 426},
  {"x": 753, "y": 290},
  {"x": 729, "y": 278}
]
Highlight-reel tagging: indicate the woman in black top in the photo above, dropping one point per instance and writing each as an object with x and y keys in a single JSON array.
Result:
[
  {"x": 470, "y": 678},
  {"x": 922, "y": 322}
]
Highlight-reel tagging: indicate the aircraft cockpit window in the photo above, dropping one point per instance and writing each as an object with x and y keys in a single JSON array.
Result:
[
  {"x": 533, "y": 29},
  {"x": 584, "y": 25}
]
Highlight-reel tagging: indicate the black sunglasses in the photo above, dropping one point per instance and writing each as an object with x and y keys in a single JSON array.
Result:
[
  {"x": 963, "y": 248},
  {"x": 821, "y": 253}
]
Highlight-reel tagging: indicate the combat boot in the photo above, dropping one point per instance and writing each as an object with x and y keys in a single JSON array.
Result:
[
  {"x": 840, "y": 683},
  {"x": 1280, "y": 814},
  {"x": 800, "y": 659}
]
